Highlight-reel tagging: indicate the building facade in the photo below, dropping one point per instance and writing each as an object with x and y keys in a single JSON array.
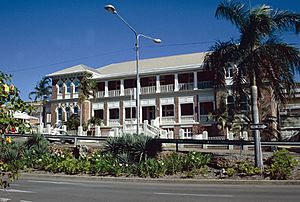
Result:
[{"x": 176, "y": 92}]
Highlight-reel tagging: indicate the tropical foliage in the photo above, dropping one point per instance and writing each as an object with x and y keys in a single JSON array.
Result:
[
  {"x": 37, "y": 154},
  {"x": 280, "y": 165},
  {"x": 42, "y": 93},
  {"x": 87, "y": 88},
  {"x": 258, "y": 57},
  {"x": 10, "y": 102}
]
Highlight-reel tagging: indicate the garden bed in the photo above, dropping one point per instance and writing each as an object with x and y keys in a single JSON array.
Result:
[{"x": 137, "y": 157}]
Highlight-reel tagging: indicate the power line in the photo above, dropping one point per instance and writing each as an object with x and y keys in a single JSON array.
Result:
[
  {"x": 112, "y": 52},
  {"x": 67, "y": 61},
  {"x": 103, "y": 54}
]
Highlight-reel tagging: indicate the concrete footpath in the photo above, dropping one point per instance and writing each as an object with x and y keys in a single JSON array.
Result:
[{"x": 168, "y": 180}]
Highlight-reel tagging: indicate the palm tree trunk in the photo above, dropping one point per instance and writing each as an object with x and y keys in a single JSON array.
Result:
[{"x": 256, "y": 133}]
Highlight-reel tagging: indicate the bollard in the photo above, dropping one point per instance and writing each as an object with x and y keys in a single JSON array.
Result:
[
  {"x": 205, "y": 137},
  {"x": 80, "y": 131},
  {"x": 230, "y": 137},
  {"x": 97, "y": 131}
]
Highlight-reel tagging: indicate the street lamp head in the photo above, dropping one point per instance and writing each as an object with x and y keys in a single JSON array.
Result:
[
  {"x": 110, "y": 8},
  {"x": 157, "y": 40}
]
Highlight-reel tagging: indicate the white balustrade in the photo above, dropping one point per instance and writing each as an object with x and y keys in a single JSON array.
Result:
[
  {"x": 148, "y": 90},
  {"x": 114, "y": 122},
  {"x": 113, "y": 93},
  {"x": 167, "y": 88},
  {"x": 187, "y": 118},
  {"x": 168, "y": 119},
  {"x": 99, "y": 94},
  {"x": 129, "y": 91}
]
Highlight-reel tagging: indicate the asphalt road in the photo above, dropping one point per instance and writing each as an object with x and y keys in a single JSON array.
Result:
[{"x": 80, "y": 190}]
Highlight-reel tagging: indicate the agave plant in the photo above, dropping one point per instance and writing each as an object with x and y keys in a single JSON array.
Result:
[{"x": 136, "y": 147}]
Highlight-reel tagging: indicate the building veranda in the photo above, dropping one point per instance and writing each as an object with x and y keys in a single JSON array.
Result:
[{"x": 176, "y": 92}]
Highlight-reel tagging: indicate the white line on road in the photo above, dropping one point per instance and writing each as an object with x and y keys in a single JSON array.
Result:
[
  {"x": 5, "y": 199},
  {"x": 53, "y": 182},
  {"x": 25, "y": 201},
  {"x": 198, "y": 195},
  {"x": 18, "y": 191}
]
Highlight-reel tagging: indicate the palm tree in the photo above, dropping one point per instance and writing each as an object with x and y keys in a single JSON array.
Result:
[
  {"x": 42, "y": 92},
  {"x": 258, "y": 57},
  {"x": 87, "y": 88}
]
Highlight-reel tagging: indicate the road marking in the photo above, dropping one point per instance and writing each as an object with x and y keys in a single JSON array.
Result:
[
  {"x": 198, "y": 195},
  {"x": 25, "y": 201},
  {"x": 53, "y": 182},
  {"x": 18, "y": 191},
  {"x": 5, "y": 199}
]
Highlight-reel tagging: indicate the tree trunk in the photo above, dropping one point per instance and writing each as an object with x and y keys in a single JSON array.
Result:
[{"x": 256, "y": 133}]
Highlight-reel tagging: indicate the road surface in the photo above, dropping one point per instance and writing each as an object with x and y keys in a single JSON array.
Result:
[{"x": 34, "y": 189}]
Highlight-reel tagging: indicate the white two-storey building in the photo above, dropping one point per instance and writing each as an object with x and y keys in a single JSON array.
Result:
[{"x": 175, "y": 93}]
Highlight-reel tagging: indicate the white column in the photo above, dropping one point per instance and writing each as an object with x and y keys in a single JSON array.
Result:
[
  {"x": 195, "y": 81},
  {"x": 176, "y": 82},
  {"x": 122, "y": 87},
  {"x": 106, "y": 89},
  {"x": 157, "y": 84}
]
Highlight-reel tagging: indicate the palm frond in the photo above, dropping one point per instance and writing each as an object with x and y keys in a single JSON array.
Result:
[
  {"x": 233, "y": 11},
  {"x": 286, "y": 20},
  {"x": 276, "y": 64},
  {"x": 223, "y": 55}
]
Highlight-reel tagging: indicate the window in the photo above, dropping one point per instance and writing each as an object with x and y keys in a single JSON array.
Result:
[
  {"x": 101, "y": 86},
  {"x": 148, "y": 81},
  {"x": 188, "y": 132},
  {"x": 68, "y": 84},
  {"x": 206, "y": 108},
  {"x": 186, "y": 78},
  {"x": 76, "y": 86},
  {"x": 130, "y": 113},
  {"x": 114, "y": 85},
  {"x": 98, "y": 113},
  {"x": 59, "y": 113},
  {"x": 244, "y": 103},
  {"x": 231, "y": 105},
  {"x": 75, "y": 111},
  {"x": 167, "y": 110},
  {"x": 129, "y": 83},
  {"x": 68, "y": 113},
  {"x": 113, "y": 113},
  {"x": 166, "y": 79},
  {"x": 60, "y": 87},
  {"x": 187, "y": 109}
]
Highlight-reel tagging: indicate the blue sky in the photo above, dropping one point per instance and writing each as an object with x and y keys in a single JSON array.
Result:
[{"x": 38, "y": 37}]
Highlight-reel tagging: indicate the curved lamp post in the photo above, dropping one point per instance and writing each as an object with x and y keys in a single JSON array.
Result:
[{"x": 112, "y": 9}]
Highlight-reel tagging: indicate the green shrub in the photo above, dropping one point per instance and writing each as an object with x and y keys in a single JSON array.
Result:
[
  {"x": 230, "y": 172},
  {"x": 173, "y": 163},
  {"x": 151, "y": 168},
  {"x": 195, "y": 160},
  {"x": 247, "y": 168},
  {"x": 11, "y": 154},
  {"x": 106, "y": 164},
  {"x": 280, "y": 165}
]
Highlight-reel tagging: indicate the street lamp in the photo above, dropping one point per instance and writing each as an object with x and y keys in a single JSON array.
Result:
[{"x": 112, "y": 9}]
